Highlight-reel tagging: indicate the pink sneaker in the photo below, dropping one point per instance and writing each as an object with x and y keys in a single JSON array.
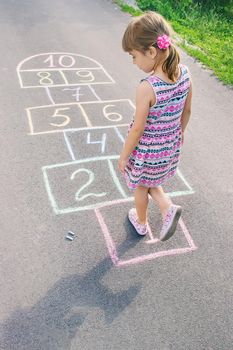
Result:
[
  {"x": 170, "y": 222},
  {"x": 141, "y": 229}
]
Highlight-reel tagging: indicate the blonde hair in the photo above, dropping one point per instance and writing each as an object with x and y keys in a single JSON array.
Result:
[{"x": 143, "y": 31}]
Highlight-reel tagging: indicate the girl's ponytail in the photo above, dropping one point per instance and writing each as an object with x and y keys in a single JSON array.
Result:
[
  {"x": 170, "y": 65},
  {"x": 151, "y": 29}
]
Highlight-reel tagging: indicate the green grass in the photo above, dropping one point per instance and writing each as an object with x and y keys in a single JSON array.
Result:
[
  {"x": 205, "y": 34},
  {"x": 127, "y": 8}
]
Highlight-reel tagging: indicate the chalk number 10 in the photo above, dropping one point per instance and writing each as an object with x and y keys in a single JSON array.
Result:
[{"x": 65, "y": 61}]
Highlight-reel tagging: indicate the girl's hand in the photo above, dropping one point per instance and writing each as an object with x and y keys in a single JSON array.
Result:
[{"x": 122, "y": 164}]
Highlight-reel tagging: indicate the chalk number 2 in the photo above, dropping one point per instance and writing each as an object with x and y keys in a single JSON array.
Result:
[{"x": 91, "y": 178}]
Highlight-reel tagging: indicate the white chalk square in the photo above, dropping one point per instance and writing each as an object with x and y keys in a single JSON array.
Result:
[
  {"x": 34, "y": 78},
  {"x": 83, "y": 185},
  {"x": 71, "y": 94},
  {"x": 88, "y": 76},
  {"x": 55, "y": 118},
  {"x": 109, "y": 112},
  {"x": 95, "y": 142}
]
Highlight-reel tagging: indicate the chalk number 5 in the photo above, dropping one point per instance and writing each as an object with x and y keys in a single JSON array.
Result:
[{"x": 57, "y": 114}]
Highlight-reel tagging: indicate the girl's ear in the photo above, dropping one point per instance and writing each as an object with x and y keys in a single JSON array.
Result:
[{"x": 152, "y": 51}]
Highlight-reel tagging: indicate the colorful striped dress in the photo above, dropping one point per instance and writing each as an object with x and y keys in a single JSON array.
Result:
[{"x": 155, "y": 159}]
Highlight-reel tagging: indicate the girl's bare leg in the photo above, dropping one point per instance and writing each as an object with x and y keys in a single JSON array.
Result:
[
  {"x": 141, "y": 202},
  {"x": 161, "y": 198}
]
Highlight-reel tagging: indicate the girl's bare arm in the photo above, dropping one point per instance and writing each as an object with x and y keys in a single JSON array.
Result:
[
  {"x": 143, "y": 100},
  {"x": 187, "y": 110}
]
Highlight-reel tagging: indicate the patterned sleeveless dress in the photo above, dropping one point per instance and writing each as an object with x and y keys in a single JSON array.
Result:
[{"x": 155, "y": 159}]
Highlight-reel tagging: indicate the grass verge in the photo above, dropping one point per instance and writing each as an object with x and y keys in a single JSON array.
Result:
[{"x": 204, "y": 34}]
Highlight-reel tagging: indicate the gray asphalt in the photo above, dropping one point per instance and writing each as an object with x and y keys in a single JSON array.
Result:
[{"x": 68, "y": 295}]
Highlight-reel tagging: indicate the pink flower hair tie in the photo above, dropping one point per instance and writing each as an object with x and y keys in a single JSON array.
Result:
[{"x": 163, "y": 42}]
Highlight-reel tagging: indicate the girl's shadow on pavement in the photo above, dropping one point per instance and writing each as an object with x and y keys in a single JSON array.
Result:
[{"x": 52, "y": 322}]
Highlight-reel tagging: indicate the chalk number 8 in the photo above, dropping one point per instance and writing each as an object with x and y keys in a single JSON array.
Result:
[{"x": 45, "y": 78}]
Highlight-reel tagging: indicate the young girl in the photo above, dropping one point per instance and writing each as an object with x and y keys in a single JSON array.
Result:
[{"x": 163, "y": 106}]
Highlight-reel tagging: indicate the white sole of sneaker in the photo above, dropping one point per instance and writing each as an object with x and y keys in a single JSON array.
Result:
[
  {"x": 132, "y": 223},
  {"x": 139, "y": 234},
  {"x": 170, "y": 232}
]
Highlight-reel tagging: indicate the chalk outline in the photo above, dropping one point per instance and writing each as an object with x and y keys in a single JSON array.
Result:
[
  {"x": 48, "y": 92},
  {"x": 66, "y": 82},
  {"x": 94, "y": 92},
  {"x": 113, "y": 256},
  {"x": 117, "y": 131},
  {"x": 63, "y": 76},
  {"x": 56, "y": 69},
  {"x": 69, "y": 146},
  {"x": 70, "y": 149},
  {"x": 142, "y": 258},
  {"x": 115, "y": 179},
  {"x": 49, "y": 95},
  {"x": 88, "y": 122},
  {"x": 53, "y": 203},
  {"x": 99, "y": 66}
]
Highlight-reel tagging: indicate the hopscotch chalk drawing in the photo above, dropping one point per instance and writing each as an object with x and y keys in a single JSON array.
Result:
[
  {"x": 94, "y": 130},
  {"x": 69, "y": 116},
  {"x": 59, "y": 69}
]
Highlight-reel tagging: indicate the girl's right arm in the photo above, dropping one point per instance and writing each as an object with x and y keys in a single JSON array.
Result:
[{"x": 187, "y": 110}]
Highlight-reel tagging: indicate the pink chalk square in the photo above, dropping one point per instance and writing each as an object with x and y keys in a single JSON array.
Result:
[{"x": 126, "y": 247}]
